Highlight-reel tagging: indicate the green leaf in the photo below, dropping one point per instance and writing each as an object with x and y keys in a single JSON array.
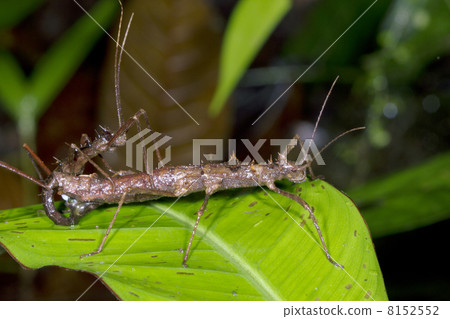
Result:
[
  {"x": 13, "y": 84},
  {"x": 316, "y": 36},
  {"x": 246, "y": 247},
  {"x": 32, "y": 96},
  {"x": 249, "y": 27},
  {"x": 57, "y": 66},
  {"x": 11, "y": 13},
  {"x": 413, "y": 198}
]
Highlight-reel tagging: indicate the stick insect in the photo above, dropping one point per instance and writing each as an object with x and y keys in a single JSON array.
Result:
[
  {"x": 83, "y": 193},
  {"x": 79, "y": 156}
]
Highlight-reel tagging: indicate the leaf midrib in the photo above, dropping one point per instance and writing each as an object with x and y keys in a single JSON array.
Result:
[{"x": 258, "y": 280}]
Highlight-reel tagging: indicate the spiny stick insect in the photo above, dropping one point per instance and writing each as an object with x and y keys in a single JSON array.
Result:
[
  {"x": 79, "y": 156},
  {"x": 83, "y": 193}
]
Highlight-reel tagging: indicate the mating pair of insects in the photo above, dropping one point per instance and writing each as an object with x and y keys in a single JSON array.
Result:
[{"x": 82, "y": 193}]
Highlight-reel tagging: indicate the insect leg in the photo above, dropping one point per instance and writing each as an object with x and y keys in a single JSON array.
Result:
[
  {"x": 23, "y": 174},
  {"x": 128, "y": 124},
  {"x": 36, "y": 161},
  {"x": 305, "y": 205},
  {"x": 73, "y": 146},
  {"x": 50, "y": 209},
  {"x": 118, "y": 137},
  {"x": 108, "y": 167},
  {"x": 99, "y": 249},
  {"x": 199, "y": 214},
  {"x": 86, "y": 143}
]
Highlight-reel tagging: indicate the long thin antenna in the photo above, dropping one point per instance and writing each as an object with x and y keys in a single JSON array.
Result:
[
  {"x": 339, "y": 136},
  {"x": 320, "y": 115},
  {"x": 323, "y": 107},
  {"x": 117, "y": 68},
  {"x": 23, "y": 174}
]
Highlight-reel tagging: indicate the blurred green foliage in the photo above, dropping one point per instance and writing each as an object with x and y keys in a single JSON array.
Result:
[
  {"x": 11, "y": 14},
  {"x": 309, "y": 43},
  {"x": 412, "y": 35},
  {"x": 250, "y": 24},
  {"x": 24, "y": 98},
  {"x": 410, "y": 199}
]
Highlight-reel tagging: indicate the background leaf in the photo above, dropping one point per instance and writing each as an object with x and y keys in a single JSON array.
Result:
[
  {"x": 11, "y": 13},
  {"x": 306, "y": 45},
  {"x": 411, "y": 199},
  {"x": 246, "y": 248},
  {"x": 59, "y": 63},
  {"x": 13, "y": 84},
  {"x": 31, "y": 97},
  {"x": 249, "y": 27}
]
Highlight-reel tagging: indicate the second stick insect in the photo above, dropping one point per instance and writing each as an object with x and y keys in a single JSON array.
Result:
[{"x": 83, "y": 193}]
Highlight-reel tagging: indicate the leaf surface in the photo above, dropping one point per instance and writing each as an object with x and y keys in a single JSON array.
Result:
[{"x": 246, "y": 247}]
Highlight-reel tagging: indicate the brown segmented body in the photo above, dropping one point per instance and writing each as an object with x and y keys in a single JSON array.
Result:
[{"x": 170, "y": 181}]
